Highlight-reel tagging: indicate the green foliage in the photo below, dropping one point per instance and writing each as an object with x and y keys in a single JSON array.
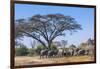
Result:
[
  {"x": 22, "y": 51},
  {"x": 66, "y": 49},
  {"x": 53, "y": 47},
  {"x": 39, "y": 48},
  {"x": 31, "y": 52}
]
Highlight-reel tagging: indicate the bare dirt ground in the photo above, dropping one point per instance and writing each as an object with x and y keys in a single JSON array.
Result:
[{"x": 26, "y": 60}]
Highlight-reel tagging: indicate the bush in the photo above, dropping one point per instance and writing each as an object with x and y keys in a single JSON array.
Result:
[
  {"x": 22, "y": 51},
  {"x": 53, "y": 47},
  {"x": 31, "y": 52},
  {"x": 39, "y": 48}
]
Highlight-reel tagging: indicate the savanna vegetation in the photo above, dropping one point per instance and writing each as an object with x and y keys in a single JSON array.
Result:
[{"x": 44, "y": 29}]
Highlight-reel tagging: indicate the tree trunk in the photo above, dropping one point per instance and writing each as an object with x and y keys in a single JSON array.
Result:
[{"x": 49, "y": 44}]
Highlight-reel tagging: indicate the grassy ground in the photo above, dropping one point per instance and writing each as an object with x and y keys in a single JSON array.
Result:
[{"x": 25, "y": 60}]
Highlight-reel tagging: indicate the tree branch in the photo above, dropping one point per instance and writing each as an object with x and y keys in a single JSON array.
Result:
[{"x": 34, "y": 38}]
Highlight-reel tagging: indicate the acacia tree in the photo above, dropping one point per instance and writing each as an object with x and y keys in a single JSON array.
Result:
[{"x": 46, "y": 27}]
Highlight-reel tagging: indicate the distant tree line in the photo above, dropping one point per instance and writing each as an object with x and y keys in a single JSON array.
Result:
[{"x": 22, "y": 50}]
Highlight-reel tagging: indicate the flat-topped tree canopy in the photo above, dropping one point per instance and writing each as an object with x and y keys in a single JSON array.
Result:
[{"x": 46, "y": 26}]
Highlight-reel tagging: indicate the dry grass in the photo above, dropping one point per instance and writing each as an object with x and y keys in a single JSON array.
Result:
[{"x": 25, "y": 60}]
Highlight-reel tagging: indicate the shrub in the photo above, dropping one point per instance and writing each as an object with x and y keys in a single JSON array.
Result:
[
  {"x": 39, "y": 48},
  {"x": 31, "y": 52},
  {"x": 22, "y": 51},
  {"x": 53, "y": 47}
]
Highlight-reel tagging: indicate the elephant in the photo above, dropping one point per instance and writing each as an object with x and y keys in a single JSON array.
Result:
[
  {"x": 81, "y": 52},
  {"x": 60, "y": 53},
  {"x": 44, "y": 53},
  {"x": 66, "y": 53},
  {"x": 76, "y": 51},
  {"x": 52, "y": 53},
  {"x": 71, "y": 52}
]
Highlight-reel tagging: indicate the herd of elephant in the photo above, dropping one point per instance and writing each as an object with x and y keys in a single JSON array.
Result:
[{"x": 60, "y": 53}]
